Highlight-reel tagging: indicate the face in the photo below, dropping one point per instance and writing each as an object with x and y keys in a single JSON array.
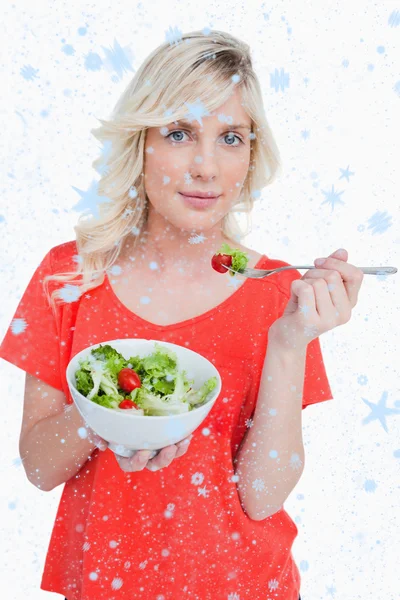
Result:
[{"x": 211, "y": 156}]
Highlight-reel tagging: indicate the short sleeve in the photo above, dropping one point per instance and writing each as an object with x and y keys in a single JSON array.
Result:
[
  {"x": 316, "y": 385},
  {"x": 31, "y": 341}
]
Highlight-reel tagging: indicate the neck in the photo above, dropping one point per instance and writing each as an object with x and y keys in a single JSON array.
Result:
[{"x": 177, "y": 251}]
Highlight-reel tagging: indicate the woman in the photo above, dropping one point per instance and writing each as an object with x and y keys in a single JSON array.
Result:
[{"x": 184, "y": 524}]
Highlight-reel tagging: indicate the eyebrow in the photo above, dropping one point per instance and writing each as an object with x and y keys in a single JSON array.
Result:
[{"x": 223, "y": 126}]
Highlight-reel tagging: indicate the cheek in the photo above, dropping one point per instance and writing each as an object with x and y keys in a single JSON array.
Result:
[
  {"x": 160, "y": 170},
  {"x": 236, "y": 170},
  {"x": 239, "y": 160}
]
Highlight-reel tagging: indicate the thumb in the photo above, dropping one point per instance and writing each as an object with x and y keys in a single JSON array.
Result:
[
  {"x": 100, "y": 443},
  {"x": 340, "y": 254},
  {"x": 96, "y": 439}
]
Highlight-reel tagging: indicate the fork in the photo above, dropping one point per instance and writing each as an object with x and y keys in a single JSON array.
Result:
[{"x": 261, "y": 273}]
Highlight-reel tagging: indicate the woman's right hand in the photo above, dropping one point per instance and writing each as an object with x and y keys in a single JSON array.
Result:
[
  {"x": 164, "y": 458},
  {"x": 140, "y": 459}
]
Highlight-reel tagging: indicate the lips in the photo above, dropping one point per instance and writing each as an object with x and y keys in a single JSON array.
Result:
[
  {"x": 199, "y": 202},
  {"x": 196, "y": 194}
]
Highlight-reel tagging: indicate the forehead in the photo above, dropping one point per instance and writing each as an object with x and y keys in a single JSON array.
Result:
[{"x": 195, "y": 124}]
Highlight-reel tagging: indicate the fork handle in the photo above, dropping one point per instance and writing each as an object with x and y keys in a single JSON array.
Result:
[{"x": 366, "y": 270}]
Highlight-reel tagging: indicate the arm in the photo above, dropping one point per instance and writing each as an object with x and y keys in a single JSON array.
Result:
[
  {"x": 322, "y": 299},
  {"x": 47, "y": 460},
  {"x": 281, "y": 392}
]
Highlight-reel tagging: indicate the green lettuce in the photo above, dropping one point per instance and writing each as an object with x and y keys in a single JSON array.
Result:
[
  {"x": 164, "y": 390},
  {"x": 239, "y": 258}
]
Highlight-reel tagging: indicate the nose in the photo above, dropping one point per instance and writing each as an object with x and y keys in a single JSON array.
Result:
[{"x": 204, "y": 163}]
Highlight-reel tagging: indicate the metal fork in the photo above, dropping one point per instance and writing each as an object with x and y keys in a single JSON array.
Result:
[{"x": 261, "y": 273}]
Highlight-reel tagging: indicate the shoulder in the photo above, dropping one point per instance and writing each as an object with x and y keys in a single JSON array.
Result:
[
  {"x": 273, "y": 263},
  {"x": 252, "y": 255},
  {"x": 281, "y": 280},
  {"x": 64, "y": 257}
]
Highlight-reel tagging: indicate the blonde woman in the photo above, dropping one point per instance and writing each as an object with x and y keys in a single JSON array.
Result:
[{"x": 204, "y": 519}]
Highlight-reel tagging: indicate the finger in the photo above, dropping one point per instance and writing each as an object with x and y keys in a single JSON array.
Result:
[
  {"x": 351, "y": 275},
  {"x": 98, "y": 441},
  {"x": 340, "y": 254},
  {"x": 183, "y": 446},
  {"x": 163, "y": 459},
  {"x": 306, "y": 301},
  {"x": 332, "y": 281},
  {"x": 137, "y": 462},
  {"x": 332, "y": 306},
  {"x": 315, "y": 301}
]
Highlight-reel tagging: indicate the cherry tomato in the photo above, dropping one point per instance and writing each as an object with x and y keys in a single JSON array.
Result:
[
  {"x": 128, "y": 380},
  {"x": 219, "y": 260},
  {"x": 127, "y": 403}
]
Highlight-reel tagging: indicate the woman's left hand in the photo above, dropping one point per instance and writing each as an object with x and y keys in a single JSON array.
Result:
[{"x": 320, "y": 301}]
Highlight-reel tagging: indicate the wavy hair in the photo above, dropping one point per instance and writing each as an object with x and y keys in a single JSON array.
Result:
[{"x": 201, "y": 66}]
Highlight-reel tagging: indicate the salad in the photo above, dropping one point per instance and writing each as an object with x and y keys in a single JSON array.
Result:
[
  {"x": 150, "y": 386},
  {"x": 228, "y": 257}
]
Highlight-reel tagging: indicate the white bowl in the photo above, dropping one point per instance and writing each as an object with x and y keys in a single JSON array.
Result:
[{"x": 127, "y": 432}]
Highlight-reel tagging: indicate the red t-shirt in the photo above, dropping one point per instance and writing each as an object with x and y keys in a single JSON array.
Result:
[{"x": 179, "y": 532}]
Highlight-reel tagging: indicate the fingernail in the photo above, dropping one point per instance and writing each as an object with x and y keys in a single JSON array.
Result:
[
  {"x": 319, "y": 261},
  {"x": 185, "y": 442}
]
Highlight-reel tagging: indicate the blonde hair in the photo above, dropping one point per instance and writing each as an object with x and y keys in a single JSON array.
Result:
[{"x": 206, "y": 67}]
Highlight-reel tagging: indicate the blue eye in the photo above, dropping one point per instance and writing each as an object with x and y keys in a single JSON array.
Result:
[{"x": 181, "y": 131}]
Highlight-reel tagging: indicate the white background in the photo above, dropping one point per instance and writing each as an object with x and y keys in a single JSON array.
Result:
[{"x": 340, "y": 110}]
